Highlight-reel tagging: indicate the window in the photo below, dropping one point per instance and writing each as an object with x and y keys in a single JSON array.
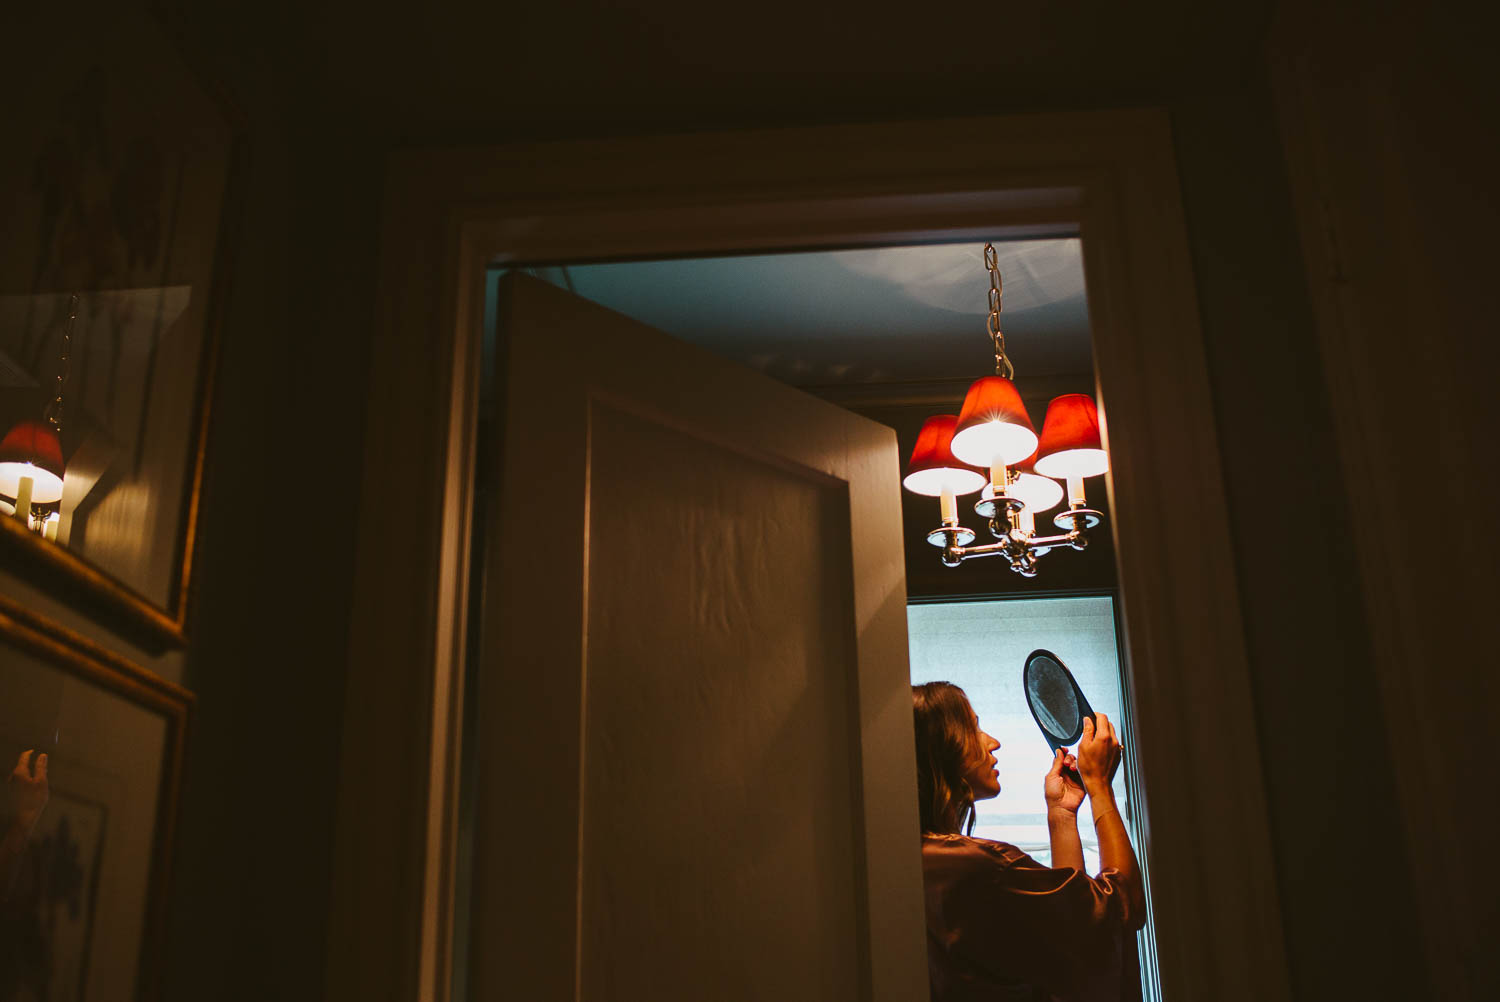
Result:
[{"x": 981, "y": 647}]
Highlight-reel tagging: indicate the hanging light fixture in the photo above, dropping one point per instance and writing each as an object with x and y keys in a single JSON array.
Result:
[
  {"x": 31, "y": 464},
  {"x": 31, "y": 458},
  {"x": 993, "y": 431},
  {"x": 1072, "y": 448},
  {"x": 936, "y": 472}
]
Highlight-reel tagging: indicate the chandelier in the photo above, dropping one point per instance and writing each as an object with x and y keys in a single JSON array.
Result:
[{"x": 992, "y": 432}]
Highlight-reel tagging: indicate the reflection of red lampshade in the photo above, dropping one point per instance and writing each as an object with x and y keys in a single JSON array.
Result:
[
  {"x": 933, "y": 465},
  {"x": 1071, "y": 446},
  {"x": 993, "y": 424},
  {"x": 1039, "y": 493},
  {"x": 31, "y": 449}
]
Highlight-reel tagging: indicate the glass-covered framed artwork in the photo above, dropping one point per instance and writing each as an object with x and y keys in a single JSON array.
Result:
[
  {"x": 119, "y": 180},
  {"x": 92, "y": 748}
]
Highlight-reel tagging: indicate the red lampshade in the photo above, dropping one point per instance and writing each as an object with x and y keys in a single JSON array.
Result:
[
  {"x": 933, "y": 465},
  {"x": 31, "y": 449},
  {"x": 1038, "y": 492},
  {"x": 1071, "y": 445},
  {"x": 993, "y": 424}
]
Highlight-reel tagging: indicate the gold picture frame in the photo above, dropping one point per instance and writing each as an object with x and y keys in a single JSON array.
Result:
[
  {"x": 115, "y": 736},
  {"x": 113, "y": 283}
]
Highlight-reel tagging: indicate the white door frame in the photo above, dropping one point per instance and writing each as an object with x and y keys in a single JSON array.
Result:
[{"x": 1109, "y": 176}]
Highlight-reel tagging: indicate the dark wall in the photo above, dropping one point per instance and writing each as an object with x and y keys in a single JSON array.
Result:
[
  {"x": 1323, "y": 749},
  {"x": 268, "y": 657},
  {"x": 268, "y": 621}
]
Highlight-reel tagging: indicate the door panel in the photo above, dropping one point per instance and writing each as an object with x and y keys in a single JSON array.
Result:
[
  {"x": 734, "y": 704},
  {"x": 696, "y": 776}
]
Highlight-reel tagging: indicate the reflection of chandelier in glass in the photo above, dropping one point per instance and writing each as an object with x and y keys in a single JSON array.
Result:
[
  {"x": 993, "y": 432},
  {"x": 31, "y": 459}
]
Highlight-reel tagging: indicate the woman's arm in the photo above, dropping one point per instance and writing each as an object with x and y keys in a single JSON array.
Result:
[
  {"x": 1098, "y": 757},
  {"x": 1064, "y": 796}
]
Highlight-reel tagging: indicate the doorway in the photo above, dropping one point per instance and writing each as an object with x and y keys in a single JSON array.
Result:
[
  {"x": 1108, "y": 176},
  {"x": 888, "y": 332}
]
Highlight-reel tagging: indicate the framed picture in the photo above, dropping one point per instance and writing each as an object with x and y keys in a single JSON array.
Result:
[
  {"x": 118, "y": 182},
  {"x": 92, "y": 748}
]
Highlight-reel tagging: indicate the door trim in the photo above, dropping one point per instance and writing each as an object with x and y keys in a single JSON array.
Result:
[{"x": 450, "y": 215}]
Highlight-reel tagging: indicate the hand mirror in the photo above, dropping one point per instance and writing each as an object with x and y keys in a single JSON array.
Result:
[{"x": 1056, "y": 702}]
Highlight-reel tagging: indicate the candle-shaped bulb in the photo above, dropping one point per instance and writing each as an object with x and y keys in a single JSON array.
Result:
[
  {"x": 950, "y": 507},
  {"x": 1075, "y": 491},
  {"x": 23, "y": 499},
  {"x": 49, "y": 527},
  {"x": 1028, "y": 521},
  {"x": 998, "y": 476}
]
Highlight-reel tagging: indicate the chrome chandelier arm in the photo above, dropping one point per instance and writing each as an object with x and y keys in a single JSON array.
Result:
[
  {"x": 1076, "y": 539},
  {"x": 1020, "y": 548},
  {"x": 955, "y": 554}
]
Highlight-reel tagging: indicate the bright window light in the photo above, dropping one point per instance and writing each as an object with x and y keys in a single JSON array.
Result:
[{"x": 981, "y": 647}]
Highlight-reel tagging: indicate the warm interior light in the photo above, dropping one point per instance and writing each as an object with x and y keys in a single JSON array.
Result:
[
  {"x": 1038, "y": 493},
  {"x": 1071, "y": 445},
  {"x": 31, "y": 449},
  {"x": 993, "y": 424},
  {"x": 933, "y": 466},
  {"x": 993, "y": 432}
]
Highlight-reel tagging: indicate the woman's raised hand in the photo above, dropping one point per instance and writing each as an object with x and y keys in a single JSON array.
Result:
[
  {"x": 1061, "y": 786},
  {"x": 1098, "y": 753}
]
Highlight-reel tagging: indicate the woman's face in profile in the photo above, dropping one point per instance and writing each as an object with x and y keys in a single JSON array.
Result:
[{"x": 983, "y": 776}]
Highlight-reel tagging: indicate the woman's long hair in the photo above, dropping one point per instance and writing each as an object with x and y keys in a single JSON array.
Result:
[{"x": 947, "y": 744}]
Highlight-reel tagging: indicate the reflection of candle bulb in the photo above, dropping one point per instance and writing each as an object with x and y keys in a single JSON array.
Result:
[
  {"x": 950, "y": 507},
  {"x": 49, "y": 527},
  {"x": 1075, "y": 492},
  {"x": 23, "y": 499},
  {"x": 997, "y": 476}
]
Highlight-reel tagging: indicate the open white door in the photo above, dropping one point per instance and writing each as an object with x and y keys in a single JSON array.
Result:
[{"x": 696, "y": 775}]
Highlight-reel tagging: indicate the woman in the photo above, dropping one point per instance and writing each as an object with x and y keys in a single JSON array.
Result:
[{"x": 999, "y": 924}]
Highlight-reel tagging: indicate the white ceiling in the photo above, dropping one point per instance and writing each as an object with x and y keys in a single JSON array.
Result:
[{"x": 878, "y": 315}]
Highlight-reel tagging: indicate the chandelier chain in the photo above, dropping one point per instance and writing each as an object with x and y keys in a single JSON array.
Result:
[
  {"x": 54, "y": 412},
  {"x": 1003, "y": 366}
]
